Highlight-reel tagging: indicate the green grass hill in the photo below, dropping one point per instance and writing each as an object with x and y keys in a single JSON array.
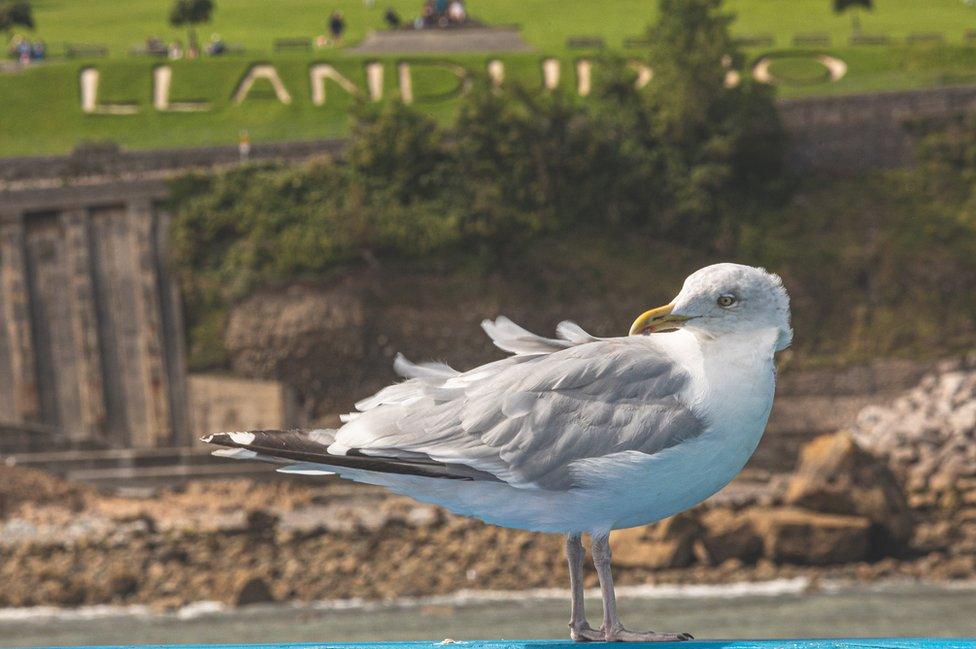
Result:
[{"x": 41, "y": 108}]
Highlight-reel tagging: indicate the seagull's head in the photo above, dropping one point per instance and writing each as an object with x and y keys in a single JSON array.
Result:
[{"x": 722, "y": 300}]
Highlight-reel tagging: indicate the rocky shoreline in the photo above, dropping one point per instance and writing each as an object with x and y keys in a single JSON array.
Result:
[
  {"x": 859, "y": 507},
  {"x": 337, "y": 546}
]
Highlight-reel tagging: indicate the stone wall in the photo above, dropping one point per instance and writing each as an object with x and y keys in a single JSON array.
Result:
[
  {"x": 110, "y": 161},
  {"x": 227, "y": 403},
  {"x": 813, "y": 402},
  {"x": 92, "y": 341},
  {"x": 866, "y": 131}
]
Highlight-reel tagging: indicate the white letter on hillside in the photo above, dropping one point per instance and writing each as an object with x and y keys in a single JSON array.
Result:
[
  {"x": 405, "y": 79},
  {"x": 374, "y": 80},
  {"x": 262, "y": 71},
  {"x": 318, "y": 73},
  {"x": 496, "y": 72},
  {"x": 644, "y": 73},
  {"x": 836, "y": 69},
  {"x": 405, "y": 83},
  {"x": 550, "y": 74},
  {"x": 584, "y": 82},
  {"x": 162, "y": 80},
  {"x": 88, "y": 80}
]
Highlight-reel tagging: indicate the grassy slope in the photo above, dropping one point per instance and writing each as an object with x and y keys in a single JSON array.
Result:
[
  {"x": 40, "y": 113},
  {"x": 60, "y": 124}
]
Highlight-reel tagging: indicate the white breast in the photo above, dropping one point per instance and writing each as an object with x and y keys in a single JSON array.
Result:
[{"x": 732, "y": 387}]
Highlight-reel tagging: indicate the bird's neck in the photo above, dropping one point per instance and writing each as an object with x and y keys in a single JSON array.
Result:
[
  {"x": 741, "y": 381},
  {"x": 754, "y": 349}
]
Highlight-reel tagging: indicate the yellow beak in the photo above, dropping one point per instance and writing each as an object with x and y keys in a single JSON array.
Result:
[{"x": 656, "y": 320}]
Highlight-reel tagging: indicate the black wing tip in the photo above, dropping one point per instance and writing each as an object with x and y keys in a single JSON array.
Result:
[
  {"x": 297, "y": 446},
  {"x": 244, "y": 437},
  {"x": 241, "y": 439}
]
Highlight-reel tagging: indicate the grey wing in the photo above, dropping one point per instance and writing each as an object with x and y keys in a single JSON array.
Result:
[{"x": 529, "y": 418}]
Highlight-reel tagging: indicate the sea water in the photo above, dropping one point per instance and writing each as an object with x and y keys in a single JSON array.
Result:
[{"x": 784, "y": 608}]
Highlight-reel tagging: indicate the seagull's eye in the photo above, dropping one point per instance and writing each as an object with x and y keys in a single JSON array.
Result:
[{"x": 727, "y": 300}]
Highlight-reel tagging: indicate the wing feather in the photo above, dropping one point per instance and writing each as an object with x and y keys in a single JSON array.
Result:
[{"x": 528, "y": 418}]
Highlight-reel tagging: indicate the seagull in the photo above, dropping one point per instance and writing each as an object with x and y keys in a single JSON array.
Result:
[{"x": 574, "y": 434}]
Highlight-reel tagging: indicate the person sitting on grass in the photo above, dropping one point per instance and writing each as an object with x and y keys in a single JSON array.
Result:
[
  {"x": 216, "y": 47},
  {"x": 427, "y": 17},
  {"x": 456, "y": 12},
  {"x": 13, "y": 50},
  {"x": 155, "y": 45},
  {"x": 24, "y": 51}
]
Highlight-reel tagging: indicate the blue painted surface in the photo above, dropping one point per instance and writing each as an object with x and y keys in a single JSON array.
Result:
[{"x": 828, "y": 643}]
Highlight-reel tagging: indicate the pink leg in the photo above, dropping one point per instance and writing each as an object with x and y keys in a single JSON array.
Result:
[
  {"x": 612, "y": 630},
  {"x": 579, "y": 628}
]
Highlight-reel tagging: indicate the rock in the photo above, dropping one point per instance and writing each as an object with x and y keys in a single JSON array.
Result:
[
  {"x": 260, "y": 520},
  {"x": 122, "y": 583},
  {"x": 19, "y": 485},
  {"x": 251, "y": 590},
  {"x": 729, "y": 535},
  {"x": 836, "y": 476},
  {"x": 138, "y": 524},
  {"x": 928, "y": 435},
  {"x": 936, "y": 536},
  {"x": 667, "y": 544},
  {"x": 422, "y": 516},
  {"x": 303, "y": 336},
  {"x": 793, "y": 535}
]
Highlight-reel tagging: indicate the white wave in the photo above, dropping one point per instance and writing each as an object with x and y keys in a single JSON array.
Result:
[
  {"x": 204, "y": 609},
  {"x": 44, "y": 614},
  {"x": 82, "y": 613},
  {"x": 459, "y": 598},
  {"x": 200, "y": 609}
]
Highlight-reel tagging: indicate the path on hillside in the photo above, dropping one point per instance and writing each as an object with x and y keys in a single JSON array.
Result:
[{"x": 468, "y": 39}]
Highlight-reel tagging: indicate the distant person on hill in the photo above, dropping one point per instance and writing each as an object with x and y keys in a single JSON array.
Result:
[
  {"x": 38, "y": 51},
  {"x": 175, "y": 50},
  {"x": 155, "y": 45},
  {"x": 392, "y": 18},
  {"x": 216, "y": 47},
  {"x": 337, "y": 25},
  {"x": 428, "y": 17},
  {"x": 24, "y": 51},
  {"x": 13, "y": 50},
  {"x": 456, "y": 12}
]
